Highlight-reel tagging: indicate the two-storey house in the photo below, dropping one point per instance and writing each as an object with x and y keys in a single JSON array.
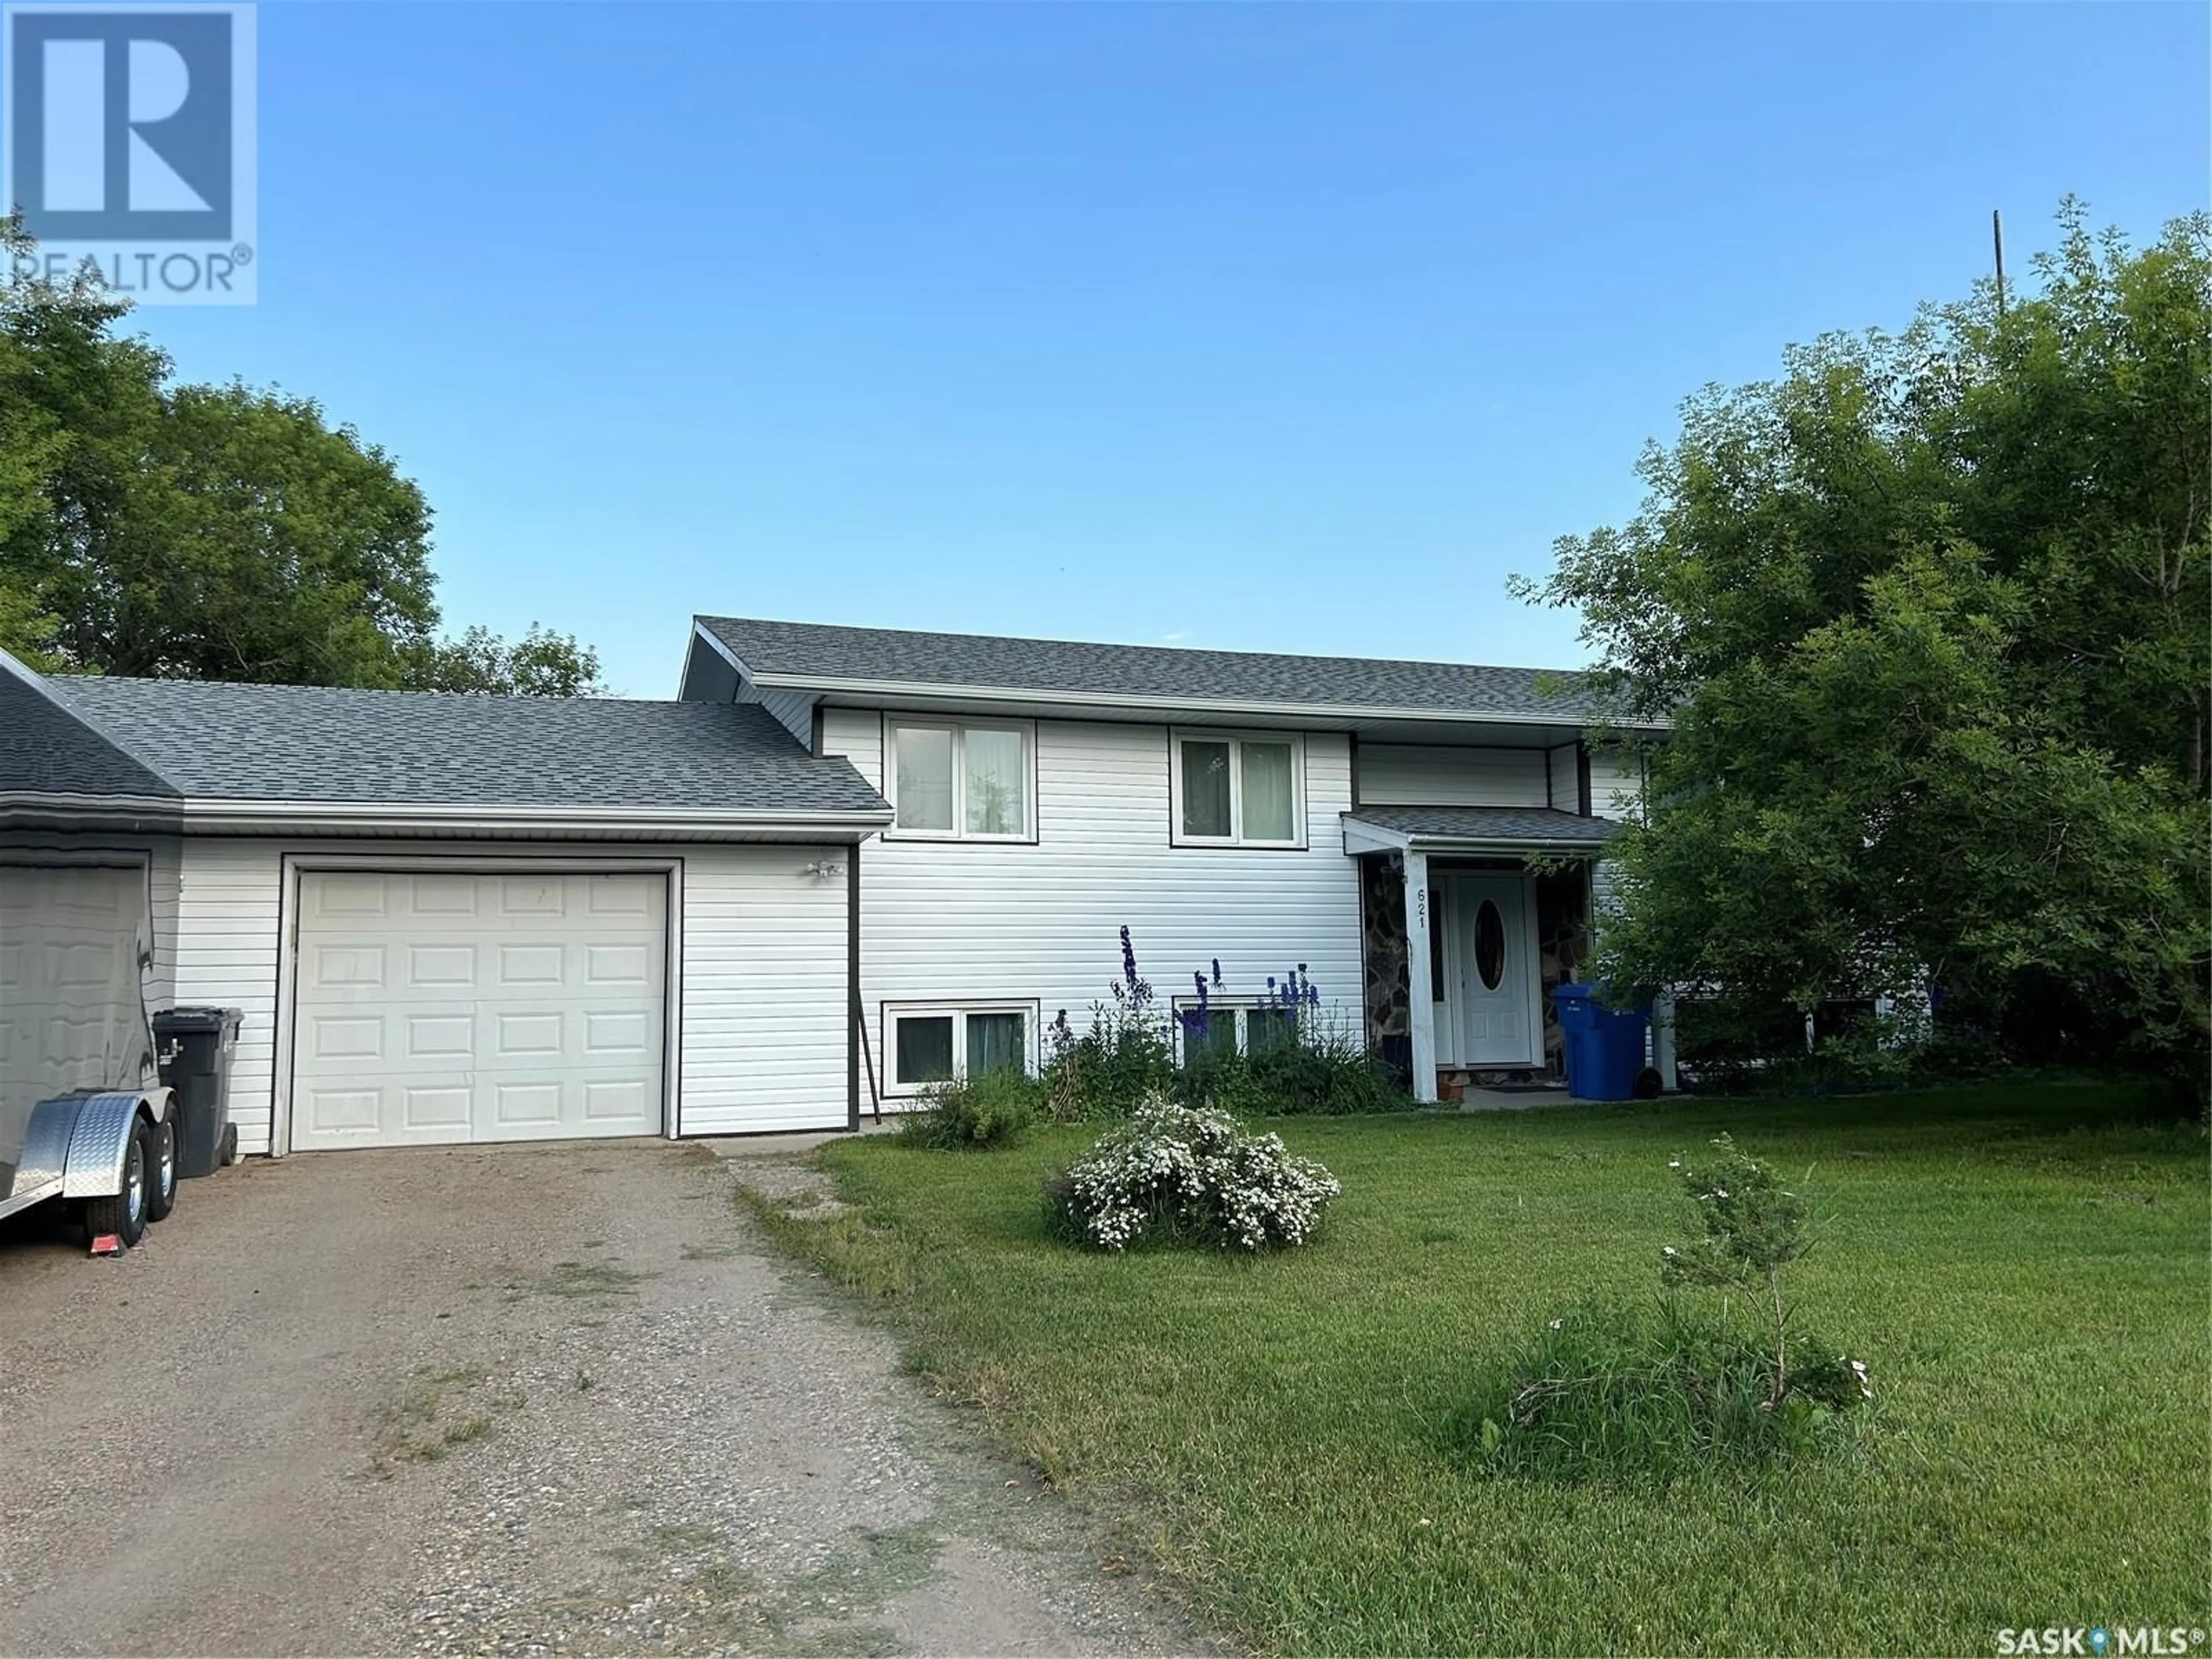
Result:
[{"x": 1371, "y": 823}]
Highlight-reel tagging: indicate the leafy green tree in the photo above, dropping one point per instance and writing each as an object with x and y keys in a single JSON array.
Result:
[
  {"x": 541, "y": 664},
  {"x": 213, "y": 532},
  {"x": 1929, "y": 613}
]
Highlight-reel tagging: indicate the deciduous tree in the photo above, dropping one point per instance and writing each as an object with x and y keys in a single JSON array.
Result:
[
  {"x": 154, "y": 528},
  {"x": 1929, "y": 612}
]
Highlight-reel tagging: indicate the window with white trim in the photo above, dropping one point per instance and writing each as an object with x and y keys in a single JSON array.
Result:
[
  {"x": 942, "y": 1045},
  {"x": 959, "y": 780},
  {"x": 1238, "y": 789},
  {"x": 1234, "y": 1028}
]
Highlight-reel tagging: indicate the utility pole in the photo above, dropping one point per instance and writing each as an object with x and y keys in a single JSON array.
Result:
[{"x": 1997, "y": 236}]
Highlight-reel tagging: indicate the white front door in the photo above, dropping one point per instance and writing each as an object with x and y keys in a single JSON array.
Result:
[
  {"x": 1492, "y": 975},
  {"x": 437, "y": 1008}
]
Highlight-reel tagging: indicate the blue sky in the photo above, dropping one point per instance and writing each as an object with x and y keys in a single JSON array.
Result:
[{"x": 1260, "y": 327}]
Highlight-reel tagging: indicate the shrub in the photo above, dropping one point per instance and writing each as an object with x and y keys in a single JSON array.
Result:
[
  {"x": 1611, "y": 1393},
  {"x": 991, "y": 1109},
  {"x": 1325, "y": 1069},
  {"x": 1176, "y": 1175}
]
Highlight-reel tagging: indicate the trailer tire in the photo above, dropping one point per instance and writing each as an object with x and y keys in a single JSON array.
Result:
[
  {"x": 124, "y": 1213},
  {"x": 161, "y": 1170}
]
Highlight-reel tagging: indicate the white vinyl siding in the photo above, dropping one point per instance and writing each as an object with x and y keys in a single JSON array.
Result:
[
  {"x": 762, "y": 977},
  {"x": 1421, "y": 774},
  {"x": 1014, "y": 922},
  {"x": 794, "y": 710},
  {"x": 1616, "y": 783},
  {"x": 227, "y": 949},
  {"x": 1563, "y": 767},
  {"x": 766, "y": 1001}
]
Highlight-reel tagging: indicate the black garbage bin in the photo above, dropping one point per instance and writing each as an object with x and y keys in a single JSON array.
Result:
[{"x": 193, "y": 1047}]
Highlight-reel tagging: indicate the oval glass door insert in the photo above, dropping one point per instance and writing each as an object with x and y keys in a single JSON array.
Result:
[{"x": 1490, "y": 945}]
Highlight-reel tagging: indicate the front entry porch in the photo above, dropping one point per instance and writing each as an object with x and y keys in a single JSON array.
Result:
[{"x": 1470, "y": 917}]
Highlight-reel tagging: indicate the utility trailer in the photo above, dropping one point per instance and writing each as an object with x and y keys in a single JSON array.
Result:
[{"x": 84, "y": 1120}]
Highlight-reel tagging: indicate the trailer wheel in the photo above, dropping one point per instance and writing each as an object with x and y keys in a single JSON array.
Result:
[
  {"x": 124, "y": 1213},
  {"x": 161, "y": 1170}
]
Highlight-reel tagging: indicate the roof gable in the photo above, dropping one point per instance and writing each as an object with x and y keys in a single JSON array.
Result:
[{"x": 46, "y": 750}]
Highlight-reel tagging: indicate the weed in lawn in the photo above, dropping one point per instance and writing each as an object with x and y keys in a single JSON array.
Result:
[
  {"x": 724, "y": 1252},
  {"x": 584, "y": 1281},
  {"x": 858, "y": 1257},
  {"x": 415, "y": 1428},
  {"x": 1629, "y": 1394}
]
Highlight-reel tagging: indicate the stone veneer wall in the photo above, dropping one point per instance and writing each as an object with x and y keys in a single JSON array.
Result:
[
  {"x": 1562, "y": 946},
  {"x": 1382, "y": 948}
]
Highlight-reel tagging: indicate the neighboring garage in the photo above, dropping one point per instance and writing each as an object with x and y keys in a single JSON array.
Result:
[{"x": 452, "y": 918}]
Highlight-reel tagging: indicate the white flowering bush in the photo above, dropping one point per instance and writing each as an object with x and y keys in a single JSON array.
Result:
[{"x": 1188, "y": 1175}]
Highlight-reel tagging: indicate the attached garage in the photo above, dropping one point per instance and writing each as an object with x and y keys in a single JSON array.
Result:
[
  {"x": 434, "y": 1008},
  {"x": 453, "y": 919}
]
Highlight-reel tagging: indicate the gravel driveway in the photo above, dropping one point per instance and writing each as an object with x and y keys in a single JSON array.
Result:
[{"x": 498, "y": 1400}]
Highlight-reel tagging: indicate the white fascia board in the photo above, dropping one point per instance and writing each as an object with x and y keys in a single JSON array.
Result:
[
  {"x": 1374, "y": 838},
  {"x": 249, "y": 815},
  {"x": 892, "y": 690},
  {"x": 1445, "y": 846}
]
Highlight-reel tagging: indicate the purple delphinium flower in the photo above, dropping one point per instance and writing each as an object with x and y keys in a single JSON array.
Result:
[
  {"x": 1129, "y": 959},
  {"x": 1216, "y": 973}
]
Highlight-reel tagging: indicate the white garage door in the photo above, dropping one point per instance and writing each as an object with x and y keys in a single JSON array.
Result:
[{"x": 434, "y": 1008}]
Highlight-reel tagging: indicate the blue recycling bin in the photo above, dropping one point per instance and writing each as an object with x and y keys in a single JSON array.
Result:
[{"x": 1603, "y": 1046}]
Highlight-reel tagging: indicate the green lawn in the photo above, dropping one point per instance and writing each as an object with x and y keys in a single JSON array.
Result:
[{"x": 2026, "y": 1270}]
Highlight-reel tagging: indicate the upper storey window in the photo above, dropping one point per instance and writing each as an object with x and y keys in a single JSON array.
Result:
[
  {"x": 1238, "y": 789},
  {"x": 954, "y": 781}
]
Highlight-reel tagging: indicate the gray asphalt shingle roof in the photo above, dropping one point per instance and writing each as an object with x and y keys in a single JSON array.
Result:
[
  {"x": 980, "y": 662},
  {"x": 1531, "y": 823},
  {"x": 45, "y": 750},
  {"x": 224, "y": 742}
]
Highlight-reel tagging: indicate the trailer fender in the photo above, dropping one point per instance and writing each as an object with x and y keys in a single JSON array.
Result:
[{"x": 100, "y": 1140}]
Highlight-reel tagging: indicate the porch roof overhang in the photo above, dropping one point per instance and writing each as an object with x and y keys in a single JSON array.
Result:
[{"x": 1513, "y": 831}]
